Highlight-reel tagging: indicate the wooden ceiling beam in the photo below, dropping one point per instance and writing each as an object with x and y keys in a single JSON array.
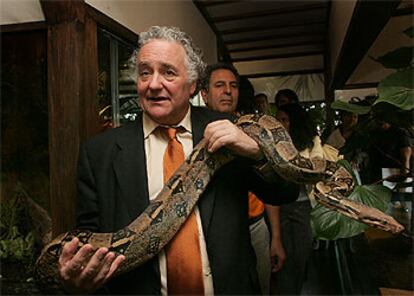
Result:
[
  {"x": 274, "y": 46},
  {"x": 278, "y": 56},
  {"x": 361, "y": 85},
  {"x": 284, "y": 73},
  {"x": 269, "y": 27},
  {"x": 270, "y": 12},
  {"x": 23, "y": 27},
  {"x": 214, "y": 3},
  {"x": 404, "y": 11},
  {"x": 312, "y": 33},
  {"x": 221, "y": 48},
  {"x": 362, "y": 32}
]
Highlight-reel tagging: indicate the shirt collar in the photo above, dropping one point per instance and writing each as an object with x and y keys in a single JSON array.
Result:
[{"x": 150, "y": 125}]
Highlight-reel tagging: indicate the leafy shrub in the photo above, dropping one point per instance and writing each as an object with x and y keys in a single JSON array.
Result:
[{"x": 16, "y": 241}]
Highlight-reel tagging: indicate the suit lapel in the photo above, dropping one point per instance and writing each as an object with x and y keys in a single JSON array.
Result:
[
  {"x": 130, "y": 168},
  {"x": 131, "y": 171},
  {"x": 199, "y": 121}
]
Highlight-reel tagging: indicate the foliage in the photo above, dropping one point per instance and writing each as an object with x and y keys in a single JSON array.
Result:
[
  {"x": 357, "y": 109},
  {"x": 395, "y": 104},
  {"x": 329, "y": 224},
  {"x": 17, "y": 242},
  {"x": 397, "y": 89},
  {"x": 395, "y": 92}
]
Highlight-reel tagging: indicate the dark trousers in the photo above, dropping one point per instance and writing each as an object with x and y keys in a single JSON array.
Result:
[{"x": 297, "y": 241}]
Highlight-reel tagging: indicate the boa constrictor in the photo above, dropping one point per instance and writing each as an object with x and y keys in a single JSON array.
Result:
[{"x": 154, "y": 228}]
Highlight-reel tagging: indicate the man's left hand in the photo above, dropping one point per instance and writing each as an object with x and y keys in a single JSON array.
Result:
[
  {"x": 277, "y": 254},
  {"x": 223, "y": 133}
]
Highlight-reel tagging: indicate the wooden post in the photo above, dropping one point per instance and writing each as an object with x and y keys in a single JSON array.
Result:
[{"x": 72, "y": 97}]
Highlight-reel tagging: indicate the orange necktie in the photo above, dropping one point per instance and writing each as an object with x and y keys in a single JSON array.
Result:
[{"x": 184, "y": 271}]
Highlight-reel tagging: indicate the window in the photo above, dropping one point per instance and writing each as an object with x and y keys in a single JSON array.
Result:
[{"x": 117, "y": 95}]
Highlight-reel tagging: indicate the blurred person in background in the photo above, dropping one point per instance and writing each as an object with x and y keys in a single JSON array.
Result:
[
  {"x": 391, "y": 157},
  {"x": 261, "y": 103},
  {"x": 296, "y": 231},
  {"x": 286, "y": 96},
  {"x": 344, "y": 131}
]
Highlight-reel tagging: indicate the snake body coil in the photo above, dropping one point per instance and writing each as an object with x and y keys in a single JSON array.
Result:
[{"x": 155, "y": 227}]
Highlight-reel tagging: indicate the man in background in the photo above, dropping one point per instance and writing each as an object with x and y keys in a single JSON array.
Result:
[{"x": 220, "y": 92}]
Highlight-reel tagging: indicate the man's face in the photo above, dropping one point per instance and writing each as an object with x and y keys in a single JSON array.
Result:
[
  {"x": 162, "y": 83},
  {"x": 350, "y": 119},
  {"x": 261, "y": 103},
  {"x": 223, "y": 91}
]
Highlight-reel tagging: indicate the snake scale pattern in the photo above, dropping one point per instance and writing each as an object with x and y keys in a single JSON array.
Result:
[{"x": 156, "y": 226}]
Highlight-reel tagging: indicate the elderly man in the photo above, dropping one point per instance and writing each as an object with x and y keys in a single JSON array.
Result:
[{"x": 121, "y": 170}]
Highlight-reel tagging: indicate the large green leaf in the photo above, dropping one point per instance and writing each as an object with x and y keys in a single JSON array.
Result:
[
  {"x": 357, "y": 109},
  {"x": 409, "y": 32},
  {"x": 399, "y": 58},
  {"x": 347, "y": 165},
  {"x": 397, "y": 89},
  {"x": 330, "y": 225}
]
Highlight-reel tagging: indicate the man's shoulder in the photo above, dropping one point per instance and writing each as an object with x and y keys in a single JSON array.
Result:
[
  {"x": 111, "y": 136},
  {"x": 210, "y": 115}
]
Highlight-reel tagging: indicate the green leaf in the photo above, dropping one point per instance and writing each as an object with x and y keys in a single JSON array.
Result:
[
  {"x": 409, "y": 32},
  {"x": 399, "y": 58},
  {"x": 14, "y": 232},
  {"x": 347, "y": 165},
  {"x": 357, "y": 109},
  {"x": 4, "y": 248},
  {"x": 330, "y": 225},
  {"x": 397, "y": 89}
]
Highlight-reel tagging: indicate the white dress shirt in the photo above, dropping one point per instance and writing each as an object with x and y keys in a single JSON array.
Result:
[{"x": 155, "y": 144}]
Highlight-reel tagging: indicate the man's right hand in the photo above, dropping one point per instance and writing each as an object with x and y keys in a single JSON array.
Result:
[{"x": 82, "y": 275}]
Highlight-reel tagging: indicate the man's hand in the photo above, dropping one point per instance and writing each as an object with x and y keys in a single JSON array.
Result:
[
  {"x": 223, "y": 133},
  {"x": 277, "y": 254},
  {"x": 79, "y": 274}
]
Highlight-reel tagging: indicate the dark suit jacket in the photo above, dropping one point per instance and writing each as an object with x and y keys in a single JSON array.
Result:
[{"x": 113, "y": 191}]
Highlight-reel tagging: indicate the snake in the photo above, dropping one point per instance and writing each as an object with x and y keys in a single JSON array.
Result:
[{"x": 147, "y": 235}]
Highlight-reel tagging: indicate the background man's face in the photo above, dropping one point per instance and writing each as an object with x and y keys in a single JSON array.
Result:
[
  {"x": 223, "y": 92},
  {"x": 261, "y": 103},
  {"x": 350, "y": 119},
  {"x": 162, "y": 83}
]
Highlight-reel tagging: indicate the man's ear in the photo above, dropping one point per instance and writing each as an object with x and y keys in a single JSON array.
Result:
[
  {"x": 204, "y": 95},
  {"x": 193, "y": 88}
]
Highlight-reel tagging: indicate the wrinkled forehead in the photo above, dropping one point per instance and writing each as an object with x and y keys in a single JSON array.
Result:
[
  {"x": 223, "y": 75},
  {"x": 163, "y": 51}
]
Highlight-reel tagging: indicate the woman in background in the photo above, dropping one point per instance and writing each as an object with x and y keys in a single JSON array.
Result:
[{"x": 296, "y": 232}]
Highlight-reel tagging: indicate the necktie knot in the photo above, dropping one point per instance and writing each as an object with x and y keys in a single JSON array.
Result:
[{"x": 171, "y": 133}]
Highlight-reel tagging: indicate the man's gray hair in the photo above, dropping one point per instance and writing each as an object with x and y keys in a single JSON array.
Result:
[{"x": 194, "y": 56}]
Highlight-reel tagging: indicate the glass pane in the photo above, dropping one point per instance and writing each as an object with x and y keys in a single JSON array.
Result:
[
  {"x": 104, "y": 81},
  {"x": 128, "y": 97}
]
